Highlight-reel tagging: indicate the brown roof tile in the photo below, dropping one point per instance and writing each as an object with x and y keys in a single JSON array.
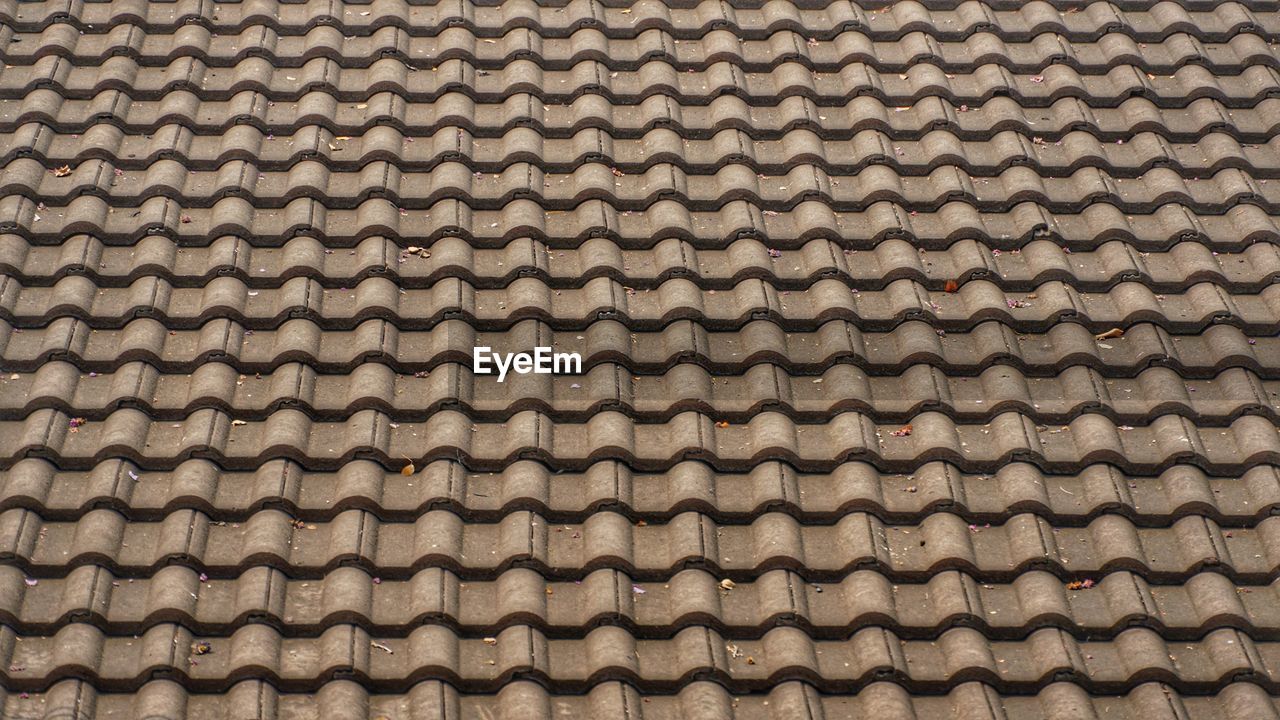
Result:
[
  {"x": 928, "y": 360},
  {"x": 113, "y": 110},
  {"x": 700, "y": 698},
  {"x": 736, "y": 398},
  {"x": 1065, "y": 499}
]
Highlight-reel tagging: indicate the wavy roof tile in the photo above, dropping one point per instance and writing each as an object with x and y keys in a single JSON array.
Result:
[{"x": 929, "y": 360}]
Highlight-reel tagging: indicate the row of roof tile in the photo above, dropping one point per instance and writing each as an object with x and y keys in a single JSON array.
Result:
[
  {"x": 302, "y": 608},
  {"x": 659, "y": 146},
  {"x": 312, "y": 182},
  {"x": 976, "y": 302},
  {"x": 653, "y": 552},
  {"x": 700, "y": 699},
  {"x": 257, "y": 651},
  {"x": 1097, "y": 270},
  {"x": 321, "y": 111},
  {"x": 647, "y": 398},
  {"x": 1202, "y": 355},
  {"x": 1067, "y": 500},
  {"x": 213, "y": 49},
  {"x": 76, "y": 443},
  {"x": 953, "y": 222},
  {"x": 654, "y": 79},
  {"x": 692, "y": 19}
]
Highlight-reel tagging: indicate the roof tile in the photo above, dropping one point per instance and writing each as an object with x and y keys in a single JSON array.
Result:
[{"x": 927, "y": 360}]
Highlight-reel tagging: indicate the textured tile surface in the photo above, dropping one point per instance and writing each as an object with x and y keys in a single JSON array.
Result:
[{"x": 930, "y": 353}]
